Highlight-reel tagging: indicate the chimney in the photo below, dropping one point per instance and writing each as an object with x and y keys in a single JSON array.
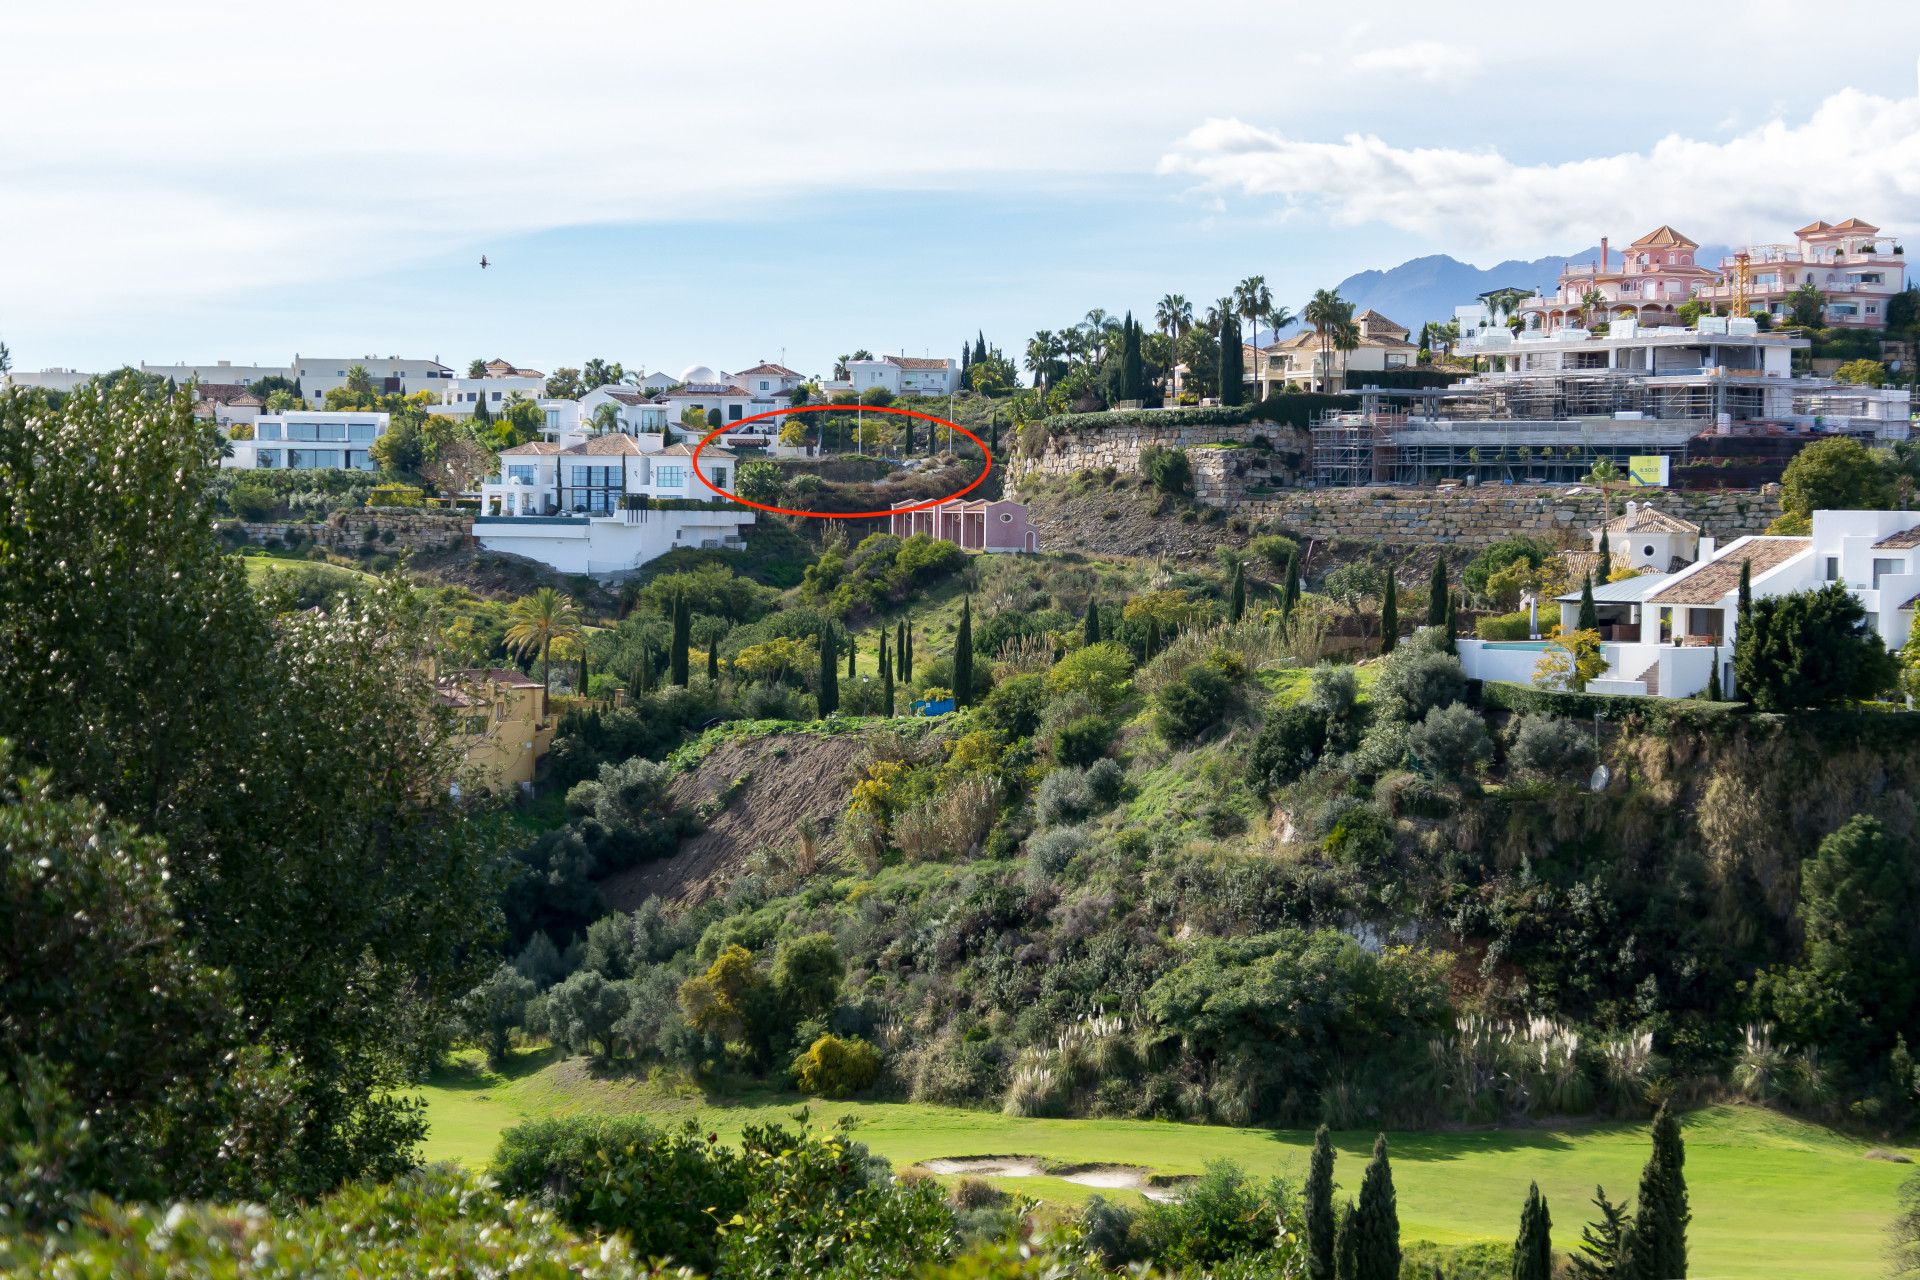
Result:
[{"x": 1603, "y": 253}]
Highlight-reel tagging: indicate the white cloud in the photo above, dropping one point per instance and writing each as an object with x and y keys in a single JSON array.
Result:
[
  {"x": 1856, "y": 155},
  {"x": 1427, "y": 60}
]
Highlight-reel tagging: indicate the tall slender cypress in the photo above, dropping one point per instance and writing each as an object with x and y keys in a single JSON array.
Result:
[
  {"x": 906, "y": 651},
  {"x": 1153, "y": 638},
  {"x": 1746, "y": 591},
  {"x": 963, "y": 656},
  {"x": 1390, "y": 616},
  {"x": 1290, "y": 593},
  {"x": 1090, "y": 633},
  {"x": 886, "y": 675},
  {"x": 1237, "y": 597},
  {"x": 1657, "y": 1246},
  {"x": 1437, "y": 605},
  {"x": 713, "y": 660},
  {"x": 1533, "y": 1249},
  {"x": 900, "y": 648},
  {"x": 829, "y": 673},
  {"x": 853, "y": 647},
  {"x": 682, "y": 636},
  {"x": 1320, "y": 1221},
  {"x": 1346, "y": 1248},
  {"x": 1606, "y": 554},
  {"x": 1377, "y": 1220},
  {"x": 1233, "y": 360},
  {"x": 1589, "y": 612}
]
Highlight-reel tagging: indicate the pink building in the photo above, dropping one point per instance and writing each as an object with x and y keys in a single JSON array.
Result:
[
  {"x": 974, "y": 526},
  {"x": 1653, "y": 277}
]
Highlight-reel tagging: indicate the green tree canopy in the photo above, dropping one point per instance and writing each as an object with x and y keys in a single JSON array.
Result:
[{"x": 1810, "y": 649}]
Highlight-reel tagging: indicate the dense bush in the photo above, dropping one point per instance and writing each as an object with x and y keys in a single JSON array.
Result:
[
  {"x": 1451, "y": 742},
  {"x": 837, "y": 1068},
  {"x": 1548, "y": 746},
  {"x": 1192, "y": 702},
  {"x": 1166, "y": 469},
  {"x": 1417, "y": 677}
]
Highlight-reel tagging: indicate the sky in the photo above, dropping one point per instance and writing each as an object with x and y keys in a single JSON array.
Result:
[{"x": 731, "y": 182}]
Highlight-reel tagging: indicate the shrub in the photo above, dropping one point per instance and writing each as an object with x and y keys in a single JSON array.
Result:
[
  {"x": 1193, "y": 702},
  {"x": 1415, "y": 679},
  {"x": 1548, "y": 746},
  {"x": 1505, "y": 626},
  {"x": 836, "y": 1068},
  {"x": 1082, "y": 740},
  {"x": 1063, "y": 797},
  {"x": 1050, "y": 852},
  {"x": 396, "y": 495},
  {"x": 1362, "y": 836},
  {"x": 1452, "y": 741},
  {"x": 1105, "y": 780},
  {"x": 251, "y": 502},
  {"x": 1166, "y": 469},
  {"x": 1101, "y": 672},
  {"x": 1290, "y": 743},
  {"x": 1275, "y": 550}
]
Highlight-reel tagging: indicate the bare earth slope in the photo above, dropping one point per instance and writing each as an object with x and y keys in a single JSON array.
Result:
[{"x": 786, "y": 777}]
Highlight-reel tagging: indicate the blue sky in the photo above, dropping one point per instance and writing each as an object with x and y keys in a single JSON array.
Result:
[{"x": 667, "y": 187}]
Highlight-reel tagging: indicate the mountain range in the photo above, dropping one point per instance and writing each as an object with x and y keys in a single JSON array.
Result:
[{"x": 1430, "y": 288}]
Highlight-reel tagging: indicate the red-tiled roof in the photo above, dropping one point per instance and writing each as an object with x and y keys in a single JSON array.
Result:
[
  {"x": 1905, "y": 540},
  {"x": 1663, "y": 237},
  {"x": 498, "y": 368},
  {"x": 1719, "y": 577},
  {"x": 612, "y": 444},
  {"x": 916, "y": 362},
  {"x": 777, "y": 370},
  {"x": 540, "y": 448}
]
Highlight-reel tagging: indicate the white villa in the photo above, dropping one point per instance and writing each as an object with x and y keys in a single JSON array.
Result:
[
  {"x": 1644, "y": 538},
  {"x": 306, "y": 440},
  {"x": 902, "y": 375},
  {"x": 1663, "y": 633},
  {"x": 596, "y": 506},
  {"x": 317, "y": 375}
]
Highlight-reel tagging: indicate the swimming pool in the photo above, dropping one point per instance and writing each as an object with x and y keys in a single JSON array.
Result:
[{"x": 1524, "y": 646}]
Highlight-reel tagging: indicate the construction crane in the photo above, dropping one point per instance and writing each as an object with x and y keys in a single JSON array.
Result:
[{"x": 1737, "y": 304}]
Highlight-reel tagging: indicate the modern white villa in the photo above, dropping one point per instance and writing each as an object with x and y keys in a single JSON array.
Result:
[
  {"x": 606, "y": 505},
  {"x": 309, "y": 440},
  {"x": 902, "y": 375},
  {"x": 1663, "y": 633}
]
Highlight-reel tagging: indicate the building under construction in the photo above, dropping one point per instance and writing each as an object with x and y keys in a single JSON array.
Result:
[{"x": 1549, "y": 408}]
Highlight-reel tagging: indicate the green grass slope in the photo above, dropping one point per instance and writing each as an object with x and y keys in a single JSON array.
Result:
[{"x": 1772, "y": 1196}]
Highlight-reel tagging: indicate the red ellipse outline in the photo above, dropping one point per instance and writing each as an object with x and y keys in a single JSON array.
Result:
[{"x": 727, "y": 428}]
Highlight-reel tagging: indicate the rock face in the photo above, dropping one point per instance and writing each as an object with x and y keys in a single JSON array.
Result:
[{"x": 1230, "y": 463}]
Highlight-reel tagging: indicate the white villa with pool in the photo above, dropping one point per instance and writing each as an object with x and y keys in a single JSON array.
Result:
[{"x": 1661, "y": 634}]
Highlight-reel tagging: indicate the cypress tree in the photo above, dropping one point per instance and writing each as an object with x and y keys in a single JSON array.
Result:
[
  {"x": 1453, "y": 626},
  {"x": 1290, "y": 594},
  {"x": 1603, "y": 1243},
  {"x": 1376, "y": 1223},
  {"x": 829, "y": 673},
  {"x": 1533, "y": 1249},
  {"x": 1153, "y": 637},
  {"x": 1390, "y": 615},
  {"x": 1091, "y": 633},
  {"x": 482, "y": 416},
  {"x": 1606, "y": 555},
  {"x": 1746, "y": 591},
  {"x": 886, "y": 675},
  {"x": 1346, "y": 1248},
  {"x": 1657, "y": 1246},
  {"x": 1589, "y": 614},
  {"x": 1439, "y": 605},
  {"x": 900, "y": 648},
  {"x": 963, "y": 656},
  {"x": 682, "y": 636},
  {"x": 1320, "y": 1222},
  {"x": 583, "y": 666},
  {"x": 1714, "y": 692},
  {"x": 1232, "y": 362},
  {"x": 906, "y": 670},
  {"x": 713, "y": 660},
  {"x": 1237, "y": 598},
  {"x": 853, "y": 647}
]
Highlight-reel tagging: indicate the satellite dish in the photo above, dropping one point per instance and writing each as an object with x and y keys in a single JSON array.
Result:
[{"x": 1601, "y": 777}]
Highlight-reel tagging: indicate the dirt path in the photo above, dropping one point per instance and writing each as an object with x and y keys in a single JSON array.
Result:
[{"x": 787, "y": 777}]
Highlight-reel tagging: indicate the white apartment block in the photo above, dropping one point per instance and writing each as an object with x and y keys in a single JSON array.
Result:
[
  {"x": 309, "y": 440},
  {"x": 60, "y": 381}
]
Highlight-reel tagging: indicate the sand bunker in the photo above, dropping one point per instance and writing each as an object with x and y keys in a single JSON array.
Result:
[{"x": 1107, "y": 1177}]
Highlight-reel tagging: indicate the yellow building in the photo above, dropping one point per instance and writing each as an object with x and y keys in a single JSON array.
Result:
[{"x": 497, "y": 720}]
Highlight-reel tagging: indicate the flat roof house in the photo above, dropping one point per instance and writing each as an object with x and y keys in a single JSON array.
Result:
[{"x": 309, "y": 440}]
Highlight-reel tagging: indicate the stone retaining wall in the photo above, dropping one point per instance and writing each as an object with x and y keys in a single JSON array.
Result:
[
  {"x": 413, "y": 529},
  {"x": 1221, "y": 477},
  {"x": 1463, "y": 518}
]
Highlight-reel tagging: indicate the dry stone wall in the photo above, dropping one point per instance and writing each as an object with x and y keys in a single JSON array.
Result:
[
  {"x": 413, "y": 529},
  {"x": 1477, "y": 518},
  {"x": 1261, "y": 455}
]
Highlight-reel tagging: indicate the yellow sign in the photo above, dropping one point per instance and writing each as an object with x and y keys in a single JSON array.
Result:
[{"x": 1645, "y": 472}]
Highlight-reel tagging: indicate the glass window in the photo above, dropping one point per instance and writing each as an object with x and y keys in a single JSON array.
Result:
[
  {"x": 268, "y": 458},
  {"x": 300, "y": 431},
  {"x": 720, "y": 477},
  {"x": 1833, "y": 568},
  {"x": 333, "y": 431},
  {"x": 312, "y": 459},
  {"x": 359, "y": 460},
  {"x": 360, "y": 432},
  {"x": 671, "y": 477},
  {"x": 522, "y": 473},
  {"x": 733, "y": 413},
  {"x": 1883, "y": 566},
  {"x": 268, "y": 431}
]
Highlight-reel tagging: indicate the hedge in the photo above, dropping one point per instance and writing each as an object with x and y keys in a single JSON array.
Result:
[
  {"x": 1290, "y": 410},
  {"x": 1655, "y": 713},
  {"x": 1402, "y": 379},
  {"x": 1505, "y": 626}
]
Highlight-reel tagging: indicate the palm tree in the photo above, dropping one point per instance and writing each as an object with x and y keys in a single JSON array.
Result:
[
  {"x": 1174, "y": 316},
  {"x": 534, "y": 624},
  {"x": 606, "y": 417},
  {"x": 1093, "y": 333},
  {"x": 1040, "y": 355},
  {"x": 1590, "y": 301},
  {"x": 1251, "y": 302},
  {"x": 1327, "y": 312},
  {"x": 1605, "y": 475}
]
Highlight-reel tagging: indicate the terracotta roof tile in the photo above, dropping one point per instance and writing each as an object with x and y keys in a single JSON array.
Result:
[
  {"x": 1905, "y": 540},
  {"x": 1647, "y": 520},
  {"x": 1719, "y": 577},
  {"x": 1663, "y": 237},
  {"x": 917, "y": 362},
  {"x": 532, "y": 448}
]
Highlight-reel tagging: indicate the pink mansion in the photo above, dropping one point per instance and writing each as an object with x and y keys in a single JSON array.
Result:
[
  {"x": 1857, "y": 268},
  {"x": 999, "y": 525}
]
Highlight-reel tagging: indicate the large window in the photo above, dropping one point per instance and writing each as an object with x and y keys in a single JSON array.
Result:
[
  {"x": 670, "y": 477},
  {"x": 268, "y": 459},
  {"x": 523, "y": 473},
  {"x": 326, "y": 432},
  {"x": 268, "y": 431},
  {"x": 360, "y": 432},
  {"x": 312, "y": 459},
  {"x": 1884, "y": 566},
  {"x": 359, "y": 460}
]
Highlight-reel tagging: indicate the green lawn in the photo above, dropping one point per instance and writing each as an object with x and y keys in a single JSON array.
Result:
[
  {"x": 260, "y": 568},
  {"x": 1772, "y": 1196}
]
